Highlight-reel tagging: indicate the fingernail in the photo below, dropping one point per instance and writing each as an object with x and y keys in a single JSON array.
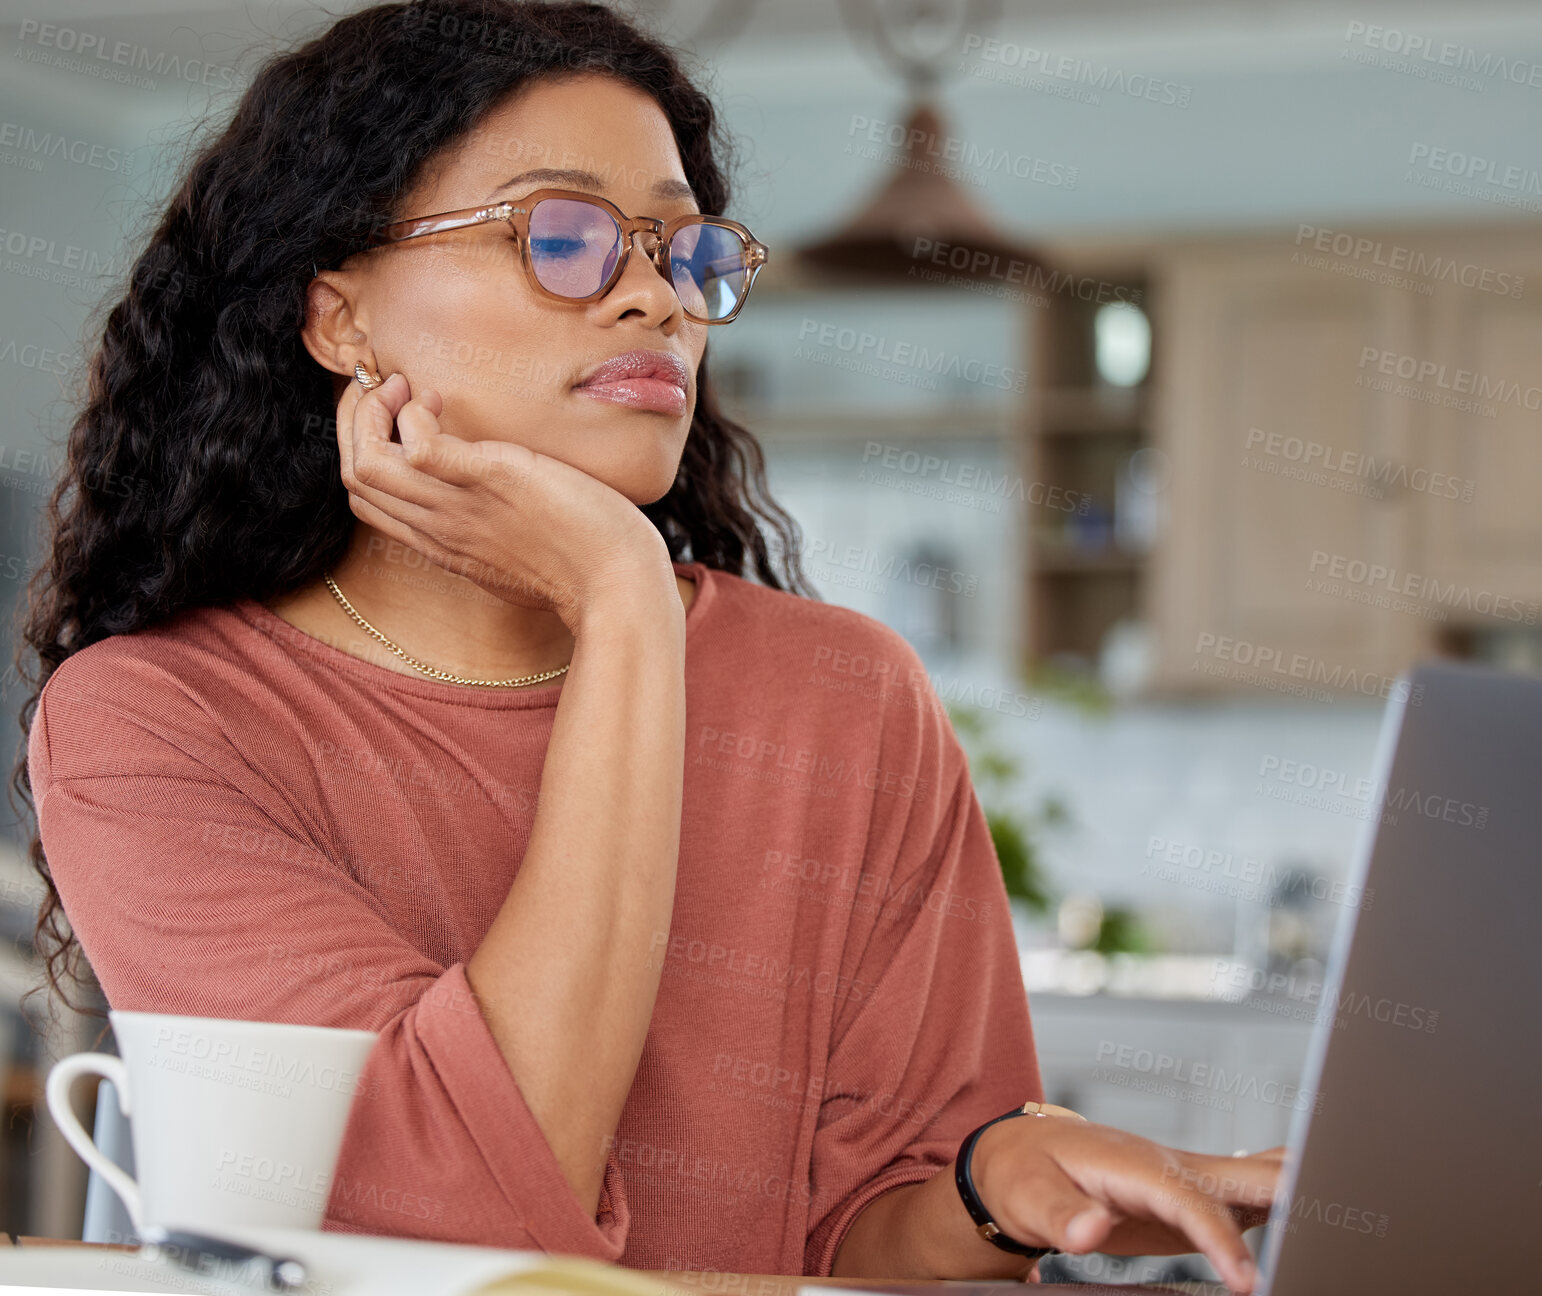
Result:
[{"x": 1247, "y": 1271}]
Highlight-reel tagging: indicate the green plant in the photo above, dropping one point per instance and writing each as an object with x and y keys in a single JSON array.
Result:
[
  {"x": 1122, "y": 933},
  {"x": 1016, "y": 832},
  {"x": 1062, "y": 683}
]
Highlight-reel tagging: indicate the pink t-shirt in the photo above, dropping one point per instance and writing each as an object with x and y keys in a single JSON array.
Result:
[{"x": 244, "y": 821}]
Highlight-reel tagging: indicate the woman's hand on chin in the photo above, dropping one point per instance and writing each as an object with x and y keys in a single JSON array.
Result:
[
  {"x": 528, "y": 528},
  {"x": 1080, "y": 1186}
]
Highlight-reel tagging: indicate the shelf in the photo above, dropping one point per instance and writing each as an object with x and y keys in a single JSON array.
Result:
[
  {"x": 860, "y": 424},
  {"x": 1073, "y": 432},
  {"x": 1081, "y": 432},
  {"x": 1075, "y": 562},
  {"x": 1084, "y": 411}
]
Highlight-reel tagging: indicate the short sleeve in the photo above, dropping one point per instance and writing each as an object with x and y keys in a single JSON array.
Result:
[
  {"x": 195, "y": 896},
  {"x": 941, "y": 1040}
]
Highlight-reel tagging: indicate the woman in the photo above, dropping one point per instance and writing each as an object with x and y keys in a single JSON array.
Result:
[{"x": 376, "y": 690}]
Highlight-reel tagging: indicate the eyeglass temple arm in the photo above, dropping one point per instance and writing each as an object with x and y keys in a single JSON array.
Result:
[{"x": 443, "y": 221}]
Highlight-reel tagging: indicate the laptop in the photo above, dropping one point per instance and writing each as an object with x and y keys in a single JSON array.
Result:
[
  {"x": 1420, "y": 1168},
  {"x": 1417, "y": 1168}
]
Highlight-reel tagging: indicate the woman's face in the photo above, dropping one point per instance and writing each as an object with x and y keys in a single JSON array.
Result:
[{"x": 455, "y": 311}]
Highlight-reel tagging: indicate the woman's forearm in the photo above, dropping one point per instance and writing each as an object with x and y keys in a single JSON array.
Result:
[
  {"x": 922, "y": 1231},
  {"x": 563, "y": 975}
]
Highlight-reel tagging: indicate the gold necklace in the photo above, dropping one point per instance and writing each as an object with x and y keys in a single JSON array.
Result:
[{"x": 433, "y": 671}]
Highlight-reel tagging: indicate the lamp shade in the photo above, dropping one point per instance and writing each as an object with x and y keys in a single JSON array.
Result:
[{"x": 920, "y": 226}]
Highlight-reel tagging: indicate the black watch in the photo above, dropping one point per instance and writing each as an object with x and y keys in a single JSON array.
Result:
[{"x": 985, "y": 1226}]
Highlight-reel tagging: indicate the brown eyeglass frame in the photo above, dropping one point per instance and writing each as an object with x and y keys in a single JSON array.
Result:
[{"x": 518, "y": 216}]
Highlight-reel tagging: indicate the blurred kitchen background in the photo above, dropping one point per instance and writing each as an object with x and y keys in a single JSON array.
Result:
[{"x": 1169, "y": 373}]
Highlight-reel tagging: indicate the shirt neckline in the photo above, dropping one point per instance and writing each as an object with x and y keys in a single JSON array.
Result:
[{"x": 293, "y": 638}]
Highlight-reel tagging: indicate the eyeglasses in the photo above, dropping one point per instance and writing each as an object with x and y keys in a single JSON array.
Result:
[{"x": 575, "y": 246}]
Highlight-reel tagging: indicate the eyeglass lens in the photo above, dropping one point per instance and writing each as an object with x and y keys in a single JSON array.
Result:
[{"x": 574, "y": 246}]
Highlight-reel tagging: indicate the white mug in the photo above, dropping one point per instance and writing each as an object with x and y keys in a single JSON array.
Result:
[{"x": 233, "y": 1122}]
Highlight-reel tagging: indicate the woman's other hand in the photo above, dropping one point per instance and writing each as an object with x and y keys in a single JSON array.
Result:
[{"x": 1080, "y": 1186}]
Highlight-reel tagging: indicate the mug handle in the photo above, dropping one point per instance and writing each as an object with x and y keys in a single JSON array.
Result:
[{"x": 60, "y": 1078}]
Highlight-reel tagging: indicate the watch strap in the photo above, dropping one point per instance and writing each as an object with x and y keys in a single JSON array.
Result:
[{"x": 985, "y": 1226}]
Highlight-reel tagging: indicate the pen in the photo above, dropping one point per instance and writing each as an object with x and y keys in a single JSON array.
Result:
[{"x": 193, "y": 1251}]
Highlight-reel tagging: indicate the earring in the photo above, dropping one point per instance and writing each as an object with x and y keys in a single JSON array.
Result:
[{"x": 362, "y": 375}]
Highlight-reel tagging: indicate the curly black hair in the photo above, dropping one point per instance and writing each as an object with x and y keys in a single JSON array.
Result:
[{"x": 202, "y": 466}]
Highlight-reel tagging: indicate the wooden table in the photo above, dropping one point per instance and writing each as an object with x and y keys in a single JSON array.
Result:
[{"x": 712, "y": 1283}]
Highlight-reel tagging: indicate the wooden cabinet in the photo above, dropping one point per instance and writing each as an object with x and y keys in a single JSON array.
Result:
[
  {"x": 1269, "y": 429},
  {"x": 1490, "y": 345},
  {"x": 1349, "y": 429}
]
